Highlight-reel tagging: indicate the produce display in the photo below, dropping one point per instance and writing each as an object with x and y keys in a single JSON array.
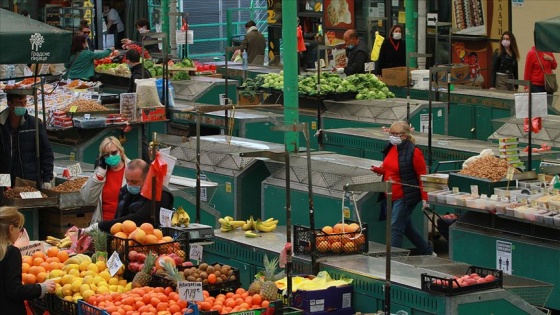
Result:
[
  {"x": 180, "y": 218},
  {"x": 476, "y": 278},
  {"x": 14, "y": 193},
  {"x": 265, "y": 280},
  {"x": 488, "y": 167},
  {"x": 71, "y": 185},
  {"x": 65, "y": 242},
  {"x": 341, "y": 237},
  {"x": 86, "y": 106},
  {"x": 228, "y": 224}
]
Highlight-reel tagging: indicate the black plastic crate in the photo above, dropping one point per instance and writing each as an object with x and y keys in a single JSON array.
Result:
[
  {"x": 313, "y": 102},
  {"x": 213, "y": 289},
  {"x": 124, "y": 246},
  {"x": 326, "y": 244},
  {"x": 450, "y": 286},
  {"x": 58, "y": 306},
  {"x": 38, "y": 306},
  {"x": 180, "y": 235},
  {"x": 88, "y": 309},
  {"x": 345, "y": 96}
]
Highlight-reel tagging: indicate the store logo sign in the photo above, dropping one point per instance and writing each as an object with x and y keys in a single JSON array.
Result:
[{"x": 37, "y": 41}]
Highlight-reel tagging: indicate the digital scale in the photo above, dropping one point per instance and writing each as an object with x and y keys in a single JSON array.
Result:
[{"x": 197, "y": 232}]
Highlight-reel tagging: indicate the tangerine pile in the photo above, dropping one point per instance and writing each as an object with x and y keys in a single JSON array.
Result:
[
  {"x": 340, "y": 238},
  {"x": 35, "y": 268},
  {"x": 237, "y": 301},
  {"x": 145, "y": 234},
  {"x": 140, "y": 301}
]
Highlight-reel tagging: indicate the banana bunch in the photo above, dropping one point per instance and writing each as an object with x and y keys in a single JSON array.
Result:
[
  {"x": 269, "y": 225},
  {"x": 60, "y": 243},
  {"x": 78, "y": 259},
  {"x": 228, "y": 224},
  {"x": 180, "y": 218}
]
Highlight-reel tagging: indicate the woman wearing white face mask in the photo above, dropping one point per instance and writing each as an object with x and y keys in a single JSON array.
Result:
[
  {"x": 143, "y": 27},
  {"x": 505, "y": 65},
  {"x": 404, "y": 163},
  {"x": 393, "y": 50}
]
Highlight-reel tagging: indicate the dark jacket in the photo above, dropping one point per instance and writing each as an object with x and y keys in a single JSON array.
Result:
[
  {"x": 255, "y": 43},
  {"x": 389, "y": 57},
  {"x": 507, "y": 64},
  {"x": 12, "y": 291},
  {"x": 136, "y": 73},
  {"x": 151, "y": 48},
  {"x": 357, "y": 57},
  {"x": 23, "y": 163},
  {"x": 137, "y": 208}
]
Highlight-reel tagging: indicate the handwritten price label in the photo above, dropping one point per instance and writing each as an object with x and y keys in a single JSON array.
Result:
[
  {"x": 196, "y": 252},
  {"x": 114, "y": 264},
  {"x": 74, "y": 169},
  {"x": 5, "y": 180},
  {"x": 73, "y": 109},
  {"x": 31, "y": 195},
  {"x": 510, "y": 173},
  {"x": 35, "y": 246},
  {"x": 190, "y": 291},
  {"x": 165, "y": 216}
]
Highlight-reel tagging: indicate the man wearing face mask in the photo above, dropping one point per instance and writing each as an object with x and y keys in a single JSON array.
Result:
[
  {"x": 136, "y": 71},
  {"x": 19, "y": 152},
  {"x": 403, "y": 164},
  {"x": 143, "y": 27},
  {"x": 393, "y": 51},
  {"x": 356, "y": 53},
  {"x": 132, "y": 205}
]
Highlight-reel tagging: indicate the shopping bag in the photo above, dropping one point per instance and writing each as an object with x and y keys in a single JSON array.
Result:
[
  {"x": 550, "y": 83},
  {"x": 158, "y": 170},
  {"x": 376, "y": 46}
]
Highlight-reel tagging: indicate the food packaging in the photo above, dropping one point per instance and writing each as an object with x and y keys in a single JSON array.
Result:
[
  {"x": 451, "y": 199},
  {"x": 146, "y": 93},
  {"x": 432, "y": 195},
  {"x": 472, "y": 202},
  {"x": 556, "y": 219},
  {"x": 500, "y": 207},
  {"x": 539, "y": 216},
  {"x": 549, "y": 218},
  {"x": 462, "y": 201},
  {"x": 441, "y": 197},
  {"x": 128, "y": 106}
]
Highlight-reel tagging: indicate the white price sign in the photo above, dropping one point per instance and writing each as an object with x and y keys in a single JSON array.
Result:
[
  {"x": 74, "y": 169},
  {"x": 190, "y": 291},
  {"x": 5, "y": 180},
  {"x": 35, "y": 246},
  {"x": 114, "y": 264},
  {"x": 510, "y": 173},
  {"x": 195, "y": 252},
  {"x": 31, "y": 195},
  {"x": 165, "y": 216}
]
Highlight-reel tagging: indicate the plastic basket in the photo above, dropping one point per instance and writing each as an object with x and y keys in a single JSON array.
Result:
[
  {"x": 180, "y": 235},
  {"x": 330, "y": 244},
  {"x": 124, "y": 246},
  {"x": 88, "y": 309},
  {"x": 345, "y": 96},
  {"x": 231, "y": 284},
  {"x": 58, "y": 306},
  {"x": 38, "y": 306},
  {"x": 450, "y": 286}
]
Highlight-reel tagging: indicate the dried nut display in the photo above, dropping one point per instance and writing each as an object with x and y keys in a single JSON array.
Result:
[
  {"x": 14, "y": 192},
  {"x": 85, "y": 106},
  {"x": 71, "y": 185},
  {"x": 488, "y": 167}
]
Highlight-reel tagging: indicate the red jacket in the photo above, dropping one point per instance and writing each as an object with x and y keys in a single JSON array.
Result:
[
  {"x": 533, "y": 70},
  {"x": 391, "y": 171}
]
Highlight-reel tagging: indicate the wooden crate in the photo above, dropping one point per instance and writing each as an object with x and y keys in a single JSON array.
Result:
[{"x": 56, "y": 222}]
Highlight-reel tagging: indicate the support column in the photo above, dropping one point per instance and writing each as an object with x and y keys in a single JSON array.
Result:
[
  {"x": 422, "y": 16},
  {"x": 411, "y": 17},
  {"x": 165, "y": 19},
  {"x": 289, "y": 39}
]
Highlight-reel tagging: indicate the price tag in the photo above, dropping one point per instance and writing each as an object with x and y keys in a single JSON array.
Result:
[
  {"x": 541, "y": 178},
  {"x": 35, "y": 246},
  {"x": 196, "y": 252},
  {"x": 74, "y": 169},
  {"x": 87, "y": 116},
  {"x": 510, "y": 173},
  {"x": 190, "y": 291},
  {"x": 31, "y": 195},
  {"x": 5, "y": 180},
  {"x": 165, "y": 216},
  {"x": 533, "y": 202},
  {"x": 73, "y": 109},
  {"x": 114, "y": 264},
  {"x": 474, "y": 190},
  {"x": 483, "y": 196},
  {"x": 455, "y": 190}
]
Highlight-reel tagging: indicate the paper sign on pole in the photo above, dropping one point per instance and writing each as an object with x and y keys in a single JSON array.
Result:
[
  {"x": 5, "y": 180},
  {"x": 35, "y": 246},
  {"x": 165, "y": 216},
  {"x": 114, "y": 263},
  {"x": 196, "y": 252},
  {"x": 74, "y": 169}
]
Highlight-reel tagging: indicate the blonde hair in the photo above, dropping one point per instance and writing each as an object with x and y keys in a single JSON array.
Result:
[
  {"x": 8, "y": 216},
  {"x": 402, "y": 127},
  {"x": 112, "y": 140}
]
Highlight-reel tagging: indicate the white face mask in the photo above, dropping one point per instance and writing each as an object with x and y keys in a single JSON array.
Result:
[
  {"x": 397, "y": 36},
  {"x": 395, "y": 140},
  {"x": 505, "y": 43},
  {"x": 143, "y": 30}
]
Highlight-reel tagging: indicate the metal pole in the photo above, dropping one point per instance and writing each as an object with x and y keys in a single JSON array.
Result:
[
  {"x": 291, "y": 114},
  {"x": 37, "y": 144},
  {"x": 387, "y": 286},
  {"x": 430, "y": 96},
  {"x": 198, "y": 117},
  {"x": 288, "y": 226},
  {"x": 530, "y": 137},
  {"x": 314, "y": 266}
]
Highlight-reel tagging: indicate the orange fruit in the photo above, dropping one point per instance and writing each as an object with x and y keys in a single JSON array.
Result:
[
  {"x": 327, "y": 229},
  {"x": 147, "y": 227},
  {"x": 39, "y": 254},
  {"x": 27, "y": 259},
  {"x": 323, "y": 246},
  {"x": 52, "y": 251},
  {"x": 350, "y": 247},
  {"x": 353, "y": 227},
  {"x": 336, "y": 247},
  {"x": 30, "y": 279},
  {"x": 116, "y": 228},
  {"x": 37, "y": 261},
  {"x": 128, "y": 226},
  {"x": 338, "y": 228},
  {"x": 121, "y": 235},
  {"x": 265, "y": 304},
  {"x": 158, "y": 233},
  {"x": 25, "y": 267},
  {"x": 139, "y": 236},
  {"x": 211, "y": 278},
  {"x": 41, "y": 277},
  {"x": 167, "y": 239},
  {"x": 62, "y": 256},
  {"x": 257, "y": 299},
  {"x": 239, "y": 291},
  {"x": 151, "y": 239}
]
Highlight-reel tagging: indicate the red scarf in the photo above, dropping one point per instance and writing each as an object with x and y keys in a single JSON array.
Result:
[{"x": 395, "y": 46}]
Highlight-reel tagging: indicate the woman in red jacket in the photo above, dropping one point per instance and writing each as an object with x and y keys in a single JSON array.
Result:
[
  {"x": 403, "y": 164},
  {"x": 535, "y": 62}
]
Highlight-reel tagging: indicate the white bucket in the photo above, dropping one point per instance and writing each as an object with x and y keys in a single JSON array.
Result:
[{"x": 420, "y": 79}]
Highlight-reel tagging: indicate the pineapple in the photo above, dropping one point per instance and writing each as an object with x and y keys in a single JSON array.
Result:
[
  {"x": 265, "y": 280},
  {"x": 100, "y": 244},
  {"x": 144, "y": 277},
  {"x": 172, "y": 273}
]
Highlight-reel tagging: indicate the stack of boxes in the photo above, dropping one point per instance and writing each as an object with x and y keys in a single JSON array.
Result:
[
  {"x": 60, "y": 119},
  {"x": 509, "y": 150}
]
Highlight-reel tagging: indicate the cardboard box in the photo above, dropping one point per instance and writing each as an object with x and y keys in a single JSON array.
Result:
[
  {"x": 395, "y": 76},
  {"x": 460, "y": 73},
  {"x": 333, "y": 299},
  {"x": 56, "y": 222}
]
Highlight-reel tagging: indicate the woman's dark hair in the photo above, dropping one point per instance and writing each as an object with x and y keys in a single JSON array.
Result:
[
  {"x": 250, "y": 23},
  {"x": 78, "y": 42},
  {"x": 394, "y": 28},
  {"x": 133, "y": 55},
  {"x": 143, "y": 22},
  {"x": 512, "y": 45}
]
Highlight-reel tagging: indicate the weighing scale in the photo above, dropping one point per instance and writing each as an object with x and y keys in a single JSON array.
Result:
[{"x": 197, "y": 232}]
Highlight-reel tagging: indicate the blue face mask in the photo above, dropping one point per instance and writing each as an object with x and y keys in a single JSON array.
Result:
[
  {"x": 19, "y": 111},
  {"x": 135, "y": 190},
  {"x": 350, "y": 46},
  {"x": 113, "y": 160}
]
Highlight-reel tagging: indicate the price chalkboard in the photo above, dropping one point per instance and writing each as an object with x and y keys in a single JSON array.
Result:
[{"x": 190, "y": 291}]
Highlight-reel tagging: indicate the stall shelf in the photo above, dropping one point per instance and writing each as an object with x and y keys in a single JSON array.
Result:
[
  {"x": 235, "y": 71},
  {"x": 203, "y": 90},
  {"x": 513, "y": 128}
]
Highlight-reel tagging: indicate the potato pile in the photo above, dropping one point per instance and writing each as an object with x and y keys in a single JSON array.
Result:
[
  {"x": 488, "y": 167},
  {"x": 85, "y": 106},
  {"x": 14, "y": 192},
  {"x": 71, "y": 185},
  {"x": 222, "y": 273}
]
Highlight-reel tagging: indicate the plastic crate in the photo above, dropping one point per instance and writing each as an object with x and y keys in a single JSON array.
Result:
[
  {"x": 450, "y": 286},
  {"x": 345, "y": 96},
  {"x": 180, "y": 235},
  {"x": 88, "y": 309},
  {"x": 124, "y": 246},
  {"x": 58, "y": 306},
  {"x": 326, "y": 243},
  {"x": 38, "y": 306},
  {"x": 213, "y": 289}
]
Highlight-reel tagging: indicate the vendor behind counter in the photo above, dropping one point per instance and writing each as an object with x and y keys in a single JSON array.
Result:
[{"x": 80, "y": 66}]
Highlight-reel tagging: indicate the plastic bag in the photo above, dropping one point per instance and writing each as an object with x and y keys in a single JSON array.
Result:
[
  {"x": 376, "y": 47},
  {"x": 472, "y": 159},
  {"x": 147, "y": 94},
  {"x": 170, "y": 92},
  {"x": 81, "y": 242},
  {"x": 23, "y": 239},
  {"x": 158, "y": 169}
]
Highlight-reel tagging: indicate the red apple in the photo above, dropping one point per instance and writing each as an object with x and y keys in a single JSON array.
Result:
[
  {"x": 188, "y": 263},
  {"x": 132, "y": 255},
  {"x": 140, "y": 257}
]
